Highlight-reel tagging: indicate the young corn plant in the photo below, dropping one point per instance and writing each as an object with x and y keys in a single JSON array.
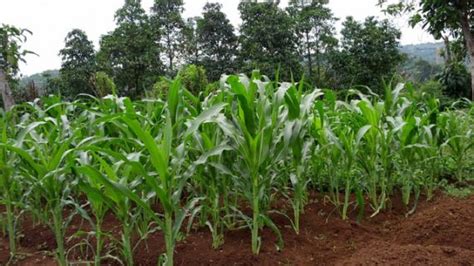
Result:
[
  {"x": 99, "y": 201},
  {"x": 374, "y": 156},
  {"x": 46, "y": 171},
  {"x": 110, "y": 181},
  {"x": 10, "y": 186},
  {"x": 211, "y": 180},
  {"x": 300, "y": 107},
  {"x": 256, "y": 138},
  {"x": 167, "y": 162},
  {"x": 459, "y": 142}
]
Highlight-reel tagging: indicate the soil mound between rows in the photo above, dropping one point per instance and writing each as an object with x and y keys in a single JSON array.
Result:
[
  {"x": 440, "y": 232},
  {"x": 446, "y": 222},
  {"x": 383, "y": 253}
]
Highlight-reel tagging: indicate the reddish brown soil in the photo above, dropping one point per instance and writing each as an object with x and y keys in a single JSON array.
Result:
[{"x": 440, "y": 232}]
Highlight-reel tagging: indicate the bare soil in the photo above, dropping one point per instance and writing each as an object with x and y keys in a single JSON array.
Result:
[{"x": 440, "y": 232}]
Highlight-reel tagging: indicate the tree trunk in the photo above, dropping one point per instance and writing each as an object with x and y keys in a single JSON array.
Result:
[
  {"x": 7, "y": 96},
  {"x": 170, "y": 52},
  {"x": 318, "y": 62},
  {"x": 469, "y": 37},
  {"x": 310, "y": 59},
  {"x": 447, "y": 56}
]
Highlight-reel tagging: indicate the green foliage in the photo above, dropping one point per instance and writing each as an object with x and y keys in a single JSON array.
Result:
[
  {"x": 193, "y": 78},
  {"x": 314, "y": 25},
  {"x": 191, "y": 49},
  {"x": 129, "y": 54},
  {"x": 441, "y": 16},
  {"x": 216, "y": 41},
  {"x": 456, "y": 80},
  {"x": 168, "y": 28},
  {"x": 443, "y": 19},
  {"x": 160, "y": 88},
  {"x": 11, "y": 52},
  {"x": 369, "y": 54},
  {"x": 223, "y": 161},
  {"x": 78, "y": 64},
  {"x": 267, "y": 40},
  {"x": 459, "y": 192},
  {"x": 103, "y": 84}
]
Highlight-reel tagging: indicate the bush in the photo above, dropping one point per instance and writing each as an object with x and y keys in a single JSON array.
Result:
[
  {"x": 456, "y": 80},
  {"x": 160, "y": 89},
  {"x": 103, "y": 84},
  {"x": 193, "y": 78}
]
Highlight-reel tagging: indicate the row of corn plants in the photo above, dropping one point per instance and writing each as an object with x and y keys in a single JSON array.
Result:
[{"x": 226, "y": 160}]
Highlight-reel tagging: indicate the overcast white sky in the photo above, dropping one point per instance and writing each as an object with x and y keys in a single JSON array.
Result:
[{"x": 51, "y": 20}]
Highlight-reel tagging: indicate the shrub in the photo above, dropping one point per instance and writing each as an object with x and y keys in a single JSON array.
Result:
[
  {"x": 456, "y": 80},
  {"x": 103, "y": 84},
  {"x": 193, "y": 78},
  {"x": 160, "y": 88}
]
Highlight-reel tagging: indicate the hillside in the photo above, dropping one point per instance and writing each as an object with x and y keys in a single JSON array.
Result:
[
  {"x": 39, "y": 78},
  {"x": 429, "y": 52}
]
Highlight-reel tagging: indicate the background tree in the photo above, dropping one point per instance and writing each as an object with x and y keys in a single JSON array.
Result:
[
  {"x": 168, "y": 25},
  {"x": 441, "y": 18},
  {"x": 192, "y": 53},
  {"x": 368, "y": 54},
  {"x": 217, "y": 41},
  {"x": 11, "y": 53},
  {"x": 78, "y": 64},
  {"x": 314, "y": 26},
  {"x": 455, "y": 77},
  {"x": 267, "y": 40},
  {"x": 129, "y": 54},
  {"x": 419, "y": 70}
]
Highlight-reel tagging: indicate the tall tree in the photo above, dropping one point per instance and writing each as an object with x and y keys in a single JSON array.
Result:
[
  {"x": 368, "y": 54},
  {"x": 217, "y": 41},
  {"x": 11, "y": 53},
  {"x": 267, "y": 40},
  {"x": 192, "y": 53},
  {"x": 441, "y": 18},
  {"x": 129, "y": 54},
  {"x": 168, "y": 25},
  {"x": 314, "y": 26},
  {"x": 78, "y": 63}
]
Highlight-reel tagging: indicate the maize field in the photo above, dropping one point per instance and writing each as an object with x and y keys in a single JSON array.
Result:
[{"x": 222, "y": 161}]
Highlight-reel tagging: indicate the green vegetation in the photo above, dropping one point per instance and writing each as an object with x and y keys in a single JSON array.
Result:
[
  {"x": 157, "y": 130},
  {"x": 78, "y": 65},
  {"x": 449, "y": 20},
  {"x": 252, "y": 142},
  {"x": 299, "y": 40}
]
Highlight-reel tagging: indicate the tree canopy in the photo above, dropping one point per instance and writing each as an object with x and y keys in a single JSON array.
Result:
[
  {"x": 267, "y": 41},
  {"x": 11, "y": 54},
  {"x": 78, "y": 63},
  {"x": 314, "y": 26},
  {"x": 369, "y": 53},
  {"x": 217, "y": 41},
  {"x": 168, "y": 27},
  {"x": 443, "y": 19},
  {"x": 129, "y": 53}
]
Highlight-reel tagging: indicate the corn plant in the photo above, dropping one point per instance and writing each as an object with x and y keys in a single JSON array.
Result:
[
  {"x": 255, "y": 136},
  {"x": 10, "y": 185},
  {"x": 211, "y": 180},
  {"x": 300, "y": 107},
  {"x": 227, "y": 157},
  {"x": 46, "y": 171},
  {"x": 459, "y": 142}
]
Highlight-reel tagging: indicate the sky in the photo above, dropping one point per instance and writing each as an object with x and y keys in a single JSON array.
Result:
[{"x": 51, "y": 20}]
